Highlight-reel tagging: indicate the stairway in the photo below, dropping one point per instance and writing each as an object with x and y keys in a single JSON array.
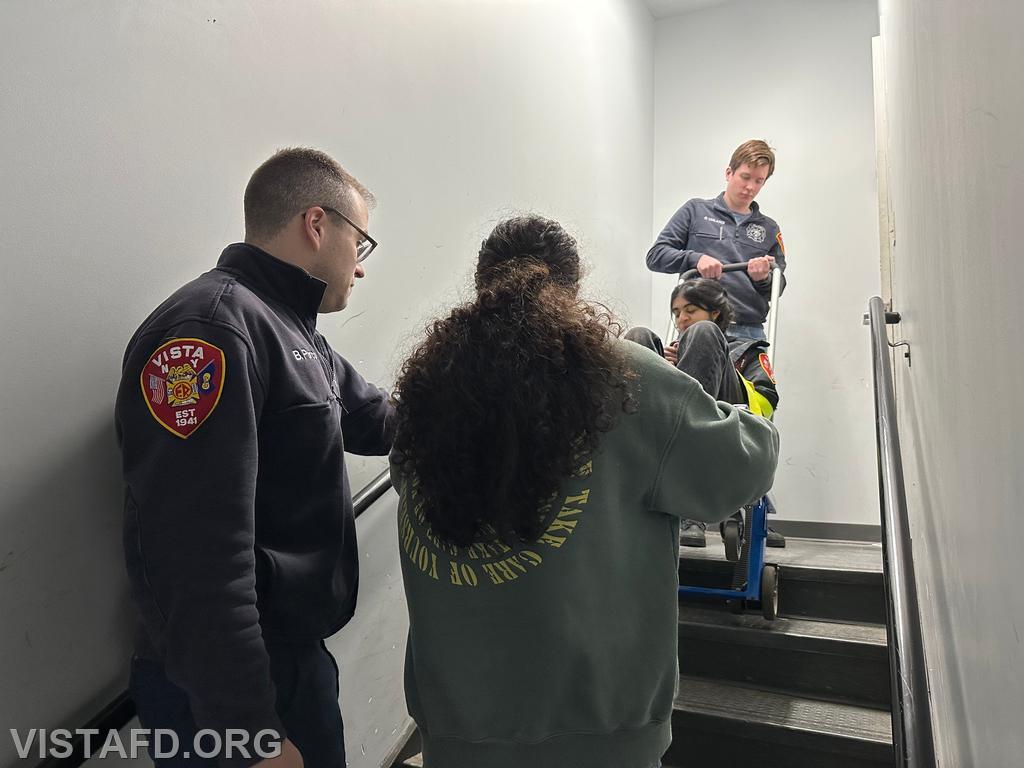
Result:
[{"x": 809, "y": 689}]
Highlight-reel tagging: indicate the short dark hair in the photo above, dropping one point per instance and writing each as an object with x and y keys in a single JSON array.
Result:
[
  {"x": 292, "y": 180},
  {"x": 710, "y": 296}
]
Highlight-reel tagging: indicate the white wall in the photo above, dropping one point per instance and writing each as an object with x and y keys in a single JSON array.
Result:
[
  {"x": 129, "y": 132},
  {"x": 955, "y": 108},
  {"x": 796, "y": 73}
]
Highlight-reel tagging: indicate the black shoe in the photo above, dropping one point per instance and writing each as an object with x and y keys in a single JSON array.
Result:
[
  {"x": 775, "y": 539},
  {"x": 691, "y": 533}
]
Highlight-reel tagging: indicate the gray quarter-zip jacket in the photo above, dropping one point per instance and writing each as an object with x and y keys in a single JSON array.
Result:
[{"x": 708, "y": 227}]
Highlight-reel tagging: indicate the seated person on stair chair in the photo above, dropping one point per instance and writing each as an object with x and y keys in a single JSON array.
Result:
[{"x": 734, "y": 370}]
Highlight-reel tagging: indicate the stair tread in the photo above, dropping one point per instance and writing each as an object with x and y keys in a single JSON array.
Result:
[
  {"x": 738, "y": 702},
  {"x": 862, "y": 634},
  {"x": 822, "y": 554}
]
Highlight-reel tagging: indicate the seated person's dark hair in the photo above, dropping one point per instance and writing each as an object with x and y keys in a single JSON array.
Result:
[{"x": 708, "y": 295}]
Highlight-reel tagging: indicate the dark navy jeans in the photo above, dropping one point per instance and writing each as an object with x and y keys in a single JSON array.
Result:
[{"x": 306, "y": 678}]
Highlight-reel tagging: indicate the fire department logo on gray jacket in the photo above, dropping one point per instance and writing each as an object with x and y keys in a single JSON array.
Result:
[{"x": 756, "y": 233}]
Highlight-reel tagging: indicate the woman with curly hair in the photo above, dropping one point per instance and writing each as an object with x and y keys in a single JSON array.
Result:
[{"x": 542, "y": 467}]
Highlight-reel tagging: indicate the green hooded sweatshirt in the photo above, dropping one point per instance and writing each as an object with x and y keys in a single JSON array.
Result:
[{"x": 562, "y": 652}]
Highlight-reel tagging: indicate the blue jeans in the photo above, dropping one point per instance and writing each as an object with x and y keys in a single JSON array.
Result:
[
  {"x": 306, "y": 678},
  {"x": 747, "y": 332}
]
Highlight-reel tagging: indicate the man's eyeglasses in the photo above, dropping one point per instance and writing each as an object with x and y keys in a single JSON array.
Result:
[{"x": 366, "y": 243}]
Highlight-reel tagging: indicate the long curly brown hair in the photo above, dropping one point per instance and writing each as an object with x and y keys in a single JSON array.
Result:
[{"x": 508, "y": 393}]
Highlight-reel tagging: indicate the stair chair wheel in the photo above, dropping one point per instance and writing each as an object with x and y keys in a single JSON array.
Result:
[
  {"x": 731, "y": 539},
  {"x": 770, "y": 592}
]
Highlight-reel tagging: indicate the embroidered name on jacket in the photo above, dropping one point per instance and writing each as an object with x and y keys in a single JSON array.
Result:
[
  {"x": 493, "y": 562},
  {"x": 182, "y": 383}
]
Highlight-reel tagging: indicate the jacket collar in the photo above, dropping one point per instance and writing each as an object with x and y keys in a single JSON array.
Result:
[
  {"x": 269, "y": 276},
  {"x": 755, "y": 210}
]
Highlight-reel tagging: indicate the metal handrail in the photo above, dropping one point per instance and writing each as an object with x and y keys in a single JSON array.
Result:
[
  {"x": 371, "y": 492},
  {"x": 911, "y": 707},
  {"x": 773, "y": 315},
  {"x": 119, "y": 711},
  {"x": 113, "y": 717}
]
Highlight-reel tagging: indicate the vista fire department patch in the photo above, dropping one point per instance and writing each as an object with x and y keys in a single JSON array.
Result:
[
  {"x": 182, "y": 382},
  {"x": 756, "y": 233},
  {"x": 766, "y": 366}
]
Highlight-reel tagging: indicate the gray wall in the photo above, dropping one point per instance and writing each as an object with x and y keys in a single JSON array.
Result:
[
  {"x": 955, "y": 107},
  {"x": 798, "y": 74},
  {"x": 129, "y": 132}
]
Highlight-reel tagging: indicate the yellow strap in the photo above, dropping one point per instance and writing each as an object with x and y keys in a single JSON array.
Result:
[{"x": 757, "y": 402}]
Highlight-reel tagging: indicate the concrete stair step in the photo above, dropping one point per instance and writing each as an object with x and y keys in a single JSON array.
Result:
[
  {"x": 819, "y": 579},
  {"x": 824, "y": 660},
  {"x": 720, "y": 723}
]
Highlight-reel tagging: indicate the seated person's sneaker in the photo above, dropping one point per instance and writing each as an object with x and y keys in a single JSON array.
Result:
[
  {"x": 775, "y": 539},
  {"x": 691, "y": 533}
]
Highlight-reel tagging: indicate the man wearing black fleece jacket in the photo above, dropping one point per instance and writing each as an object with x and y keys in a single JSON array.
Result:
[{"x": 233, "y": 417}]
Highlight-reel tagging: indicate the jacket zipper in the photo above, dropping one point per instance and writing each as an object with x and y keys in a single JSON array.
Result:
[
  {"x": 325, "y": 359},
  {"x": 330, "y": 370}
]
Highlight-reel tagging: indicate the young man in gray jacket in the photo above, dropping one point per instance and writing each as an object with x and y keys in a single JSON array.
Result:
[{"x": 729, "y": 229}]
